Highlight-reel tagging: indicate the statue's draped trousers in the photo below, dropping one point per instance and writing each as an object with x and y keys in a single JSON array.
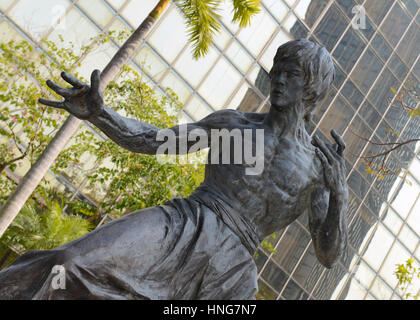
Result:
[{"x": 200, "y": 249}]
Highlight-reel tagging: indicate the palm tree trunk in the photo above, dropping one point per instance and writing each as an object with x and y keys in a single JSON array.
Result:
[{"x": 33, "y": 177}]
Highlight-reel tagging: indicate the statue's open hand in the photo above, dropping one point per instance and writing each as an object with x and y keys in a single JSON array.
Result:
[
  {"x": 82, "y": 101},
  {"x": 332, "y": 159}
]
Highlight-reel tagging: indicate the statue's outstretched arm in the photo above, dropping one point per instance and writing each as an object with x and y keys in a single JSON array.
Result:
[
  {"x": 327, "y": 214},
  {"x": 85, "y": 102}
]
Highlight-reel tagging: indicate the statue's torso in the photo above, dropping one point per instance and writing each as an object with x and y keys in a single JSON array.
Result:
[{"x": 276, "y": 197}]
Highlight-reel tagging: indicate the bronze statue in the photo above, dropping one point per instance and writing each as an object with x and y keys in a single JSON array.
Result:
[{"x": 202, "y": 247}]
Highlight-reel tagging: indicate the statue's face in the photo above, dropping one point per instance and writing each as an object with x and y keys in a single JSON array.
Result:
[{"x": 287, "y": 84}]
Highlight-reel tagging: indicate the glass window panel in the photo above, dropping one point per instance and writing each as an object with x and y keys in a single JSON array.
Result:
[
  {"x": 239, "y": 57},
  {"x": 246, "y": 99},
  {"x": 136, "y": 11},
  {"x": 378, "y": 247},
  {"x": 380, "y": 290},
  {"x": 381, "y": 46},
  {"x": 308, "y": 271},
  {"x": 366, "y": 70},
  {"x": 116, "y": 4},
  {"x": 414, "y": 218},
  {"x": 8, "y": 33},
  {"x": 410, "y": 6},
  {"x": 150, "y": 62},
  {"x": 369, "y": 114},
  {"x": 337, "y": 117},
  {"x": 409, "y": 47},
  {"x": 331, "y": 27},
  {"x": 353, "y": 95},
  {"x": 395, "y": 24},
  {"x": 82, "y": 30},
  {"x": 363, "y": 274},
  {"x": 256, "y": 36},
  {"x": 197, "y": 109},
  {"x": 313, "y": 11},
  {"x": 405, "y": 197},
  {"x": 97, "y": 59},
  {"x": 377, "y": 9},
  {"x": 226, "y": 9},
  {"x": 277, "y": 8},
  {"x": 173, "y": 82},
  {"x": 340, "y": 76},
  {"x": 37, "y": 17},
  {"x": 265, "y": 292},
  {"x": 347, "y": 7},
  {"x": 360, "y": 227},
  {"x": 396, "y": 117},
  {"x": 375, "y": 203},
  {"x": 193, "y": 70},
  {"x": 294, "y": 292},
  {"x": 398, "y": 67},
  {"x": 392, "y": 220},
  {"x": 369, "y": 29},
  {"x": 222, "y": 39},
  {"x": 349, "y": 49},
  {"x": 322, "y": 107},
  {"x": 355, "y": 292},
  {"x": 381, "y": 92},
  {"x": 260, "y": 79},
  {"x": 352, "y": 206},
  {"x": 397, "y": 255},
  {"x": 302, "y": 8},
  {"x": 291, "y": 247},
  {"x": 219, "y": 84},
  {"x": 97, "y": 10},
  {"x": 328, "y": 282},
  {"x": 355, "y": 144},
  {"x": 408, "y": 238},
  {"x": 118, "y": 25},
  {"x": 170, "y": 36},
  {"x": 260, "y": 259},
  {"x": 274, "y": 276},
  {"x": 270, "y": 52},
  {"x": 4, "y": 4},
  {"x": 298, "y": 30}
]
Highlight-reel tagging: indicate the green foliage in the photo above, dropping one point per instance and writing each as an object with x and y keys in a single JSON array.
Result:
[
  {"x": 407, "y": 274},
  {"x": 119, "y": 181},
  {"x": 43, "y": 227},
  {"x": 202, "y": 20}
]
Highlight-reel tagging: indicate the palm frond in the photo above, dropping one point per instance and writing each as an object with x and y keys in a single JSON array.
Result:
[
  {"x": 202, "y": 24},
  {"x": 244, "y": 10}
]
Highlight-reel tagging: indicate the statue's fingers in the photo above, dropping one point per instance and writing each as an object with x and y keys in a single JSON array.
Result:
[
  {"x": 54, "y": 104},
  {"x": 59, "y": 90},
  {"x": 323, "y": 147},
  {"x": 69, "y": 78},
  {"x": 322, "y": 157},
  {"x": 340, "y": 142},
  {"x": 95, "y": 80}
]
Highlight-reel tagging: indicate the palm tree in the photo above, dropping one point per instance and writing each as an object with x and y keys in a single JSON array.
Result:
[{"x": 202, "y": 24}]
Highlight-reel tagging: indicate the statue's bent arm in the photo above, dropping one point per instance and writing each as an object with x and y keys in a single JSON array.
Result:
[{"x": 328, "y": 225}]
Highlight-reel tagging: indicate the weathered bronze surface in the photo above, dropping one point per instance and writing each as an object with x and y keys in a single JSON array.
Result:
[{"x": 202, "y": 247}]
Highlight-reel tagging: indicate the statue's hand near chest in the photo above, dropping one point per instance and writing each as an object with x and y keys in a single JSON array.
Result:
[{"x": 332, "y": 160}]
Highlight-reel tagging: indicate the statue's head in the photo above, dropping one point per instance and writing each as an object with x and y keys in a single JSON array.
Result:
[{"x": 302, "y": 71}]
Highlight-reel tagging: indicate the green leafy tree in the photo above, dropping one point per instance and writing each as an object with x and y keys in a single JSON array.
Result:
[
  {"x": 40, "y": 227},
  {"x": 407, "y": 275},
  {"x": 201, "y": 19}
]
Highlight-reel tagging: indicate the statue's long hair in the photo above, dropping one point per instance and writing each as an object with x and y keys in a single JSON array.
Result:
[{"x": 317, "y": 66}]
